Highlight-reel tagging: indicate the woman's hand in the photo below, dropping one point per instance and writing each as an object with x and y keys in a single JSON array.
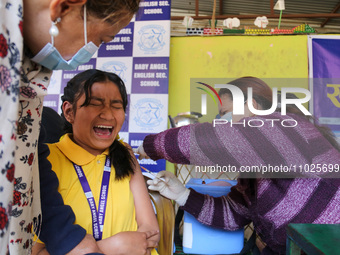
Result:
[
  {"x": 140, "y": 151},
  {"x": 129, "y": 242},
  {"x": 170, "y": 187}
]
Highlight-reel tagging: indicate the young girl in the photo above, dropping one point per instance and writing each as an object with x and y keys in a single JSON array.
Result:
[{"x": 98, "y": 174}]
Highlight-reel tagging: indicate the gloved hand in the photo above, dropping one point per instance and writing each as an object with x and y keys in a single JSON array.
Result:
[
  {"x": 170, "y": 188},
  {"x": 140, "y": 151}
]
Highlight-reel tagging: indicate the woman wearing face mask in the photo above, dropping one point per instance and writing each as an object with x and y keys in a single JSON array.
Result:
[
  {"x": 270, "y": 203},
  {"x": 36, "y": 37}
]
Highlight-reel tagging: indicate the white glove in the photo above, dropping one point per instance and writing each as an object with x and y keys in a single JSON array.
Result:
[
  {"x": 140, "y": 151},
  {"x": 170, "y": 188}
]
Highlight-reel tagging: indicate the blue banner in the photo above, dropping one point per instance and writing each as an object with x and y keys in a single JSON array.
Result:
[{"x": 324, "y": 64}]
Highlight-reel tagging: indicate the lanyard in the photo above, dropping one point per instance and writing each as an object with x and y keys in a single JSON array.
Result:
[{"x": 97, "y": 216}]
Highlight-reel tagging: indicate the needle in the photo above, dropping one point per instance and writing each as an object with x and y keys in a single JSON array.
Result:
[{"x": 152, "y": 173}]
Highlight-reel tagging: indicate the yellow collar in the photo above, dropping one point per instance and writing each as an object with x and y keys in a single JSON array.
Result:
[{"x": 76, "y": 153}]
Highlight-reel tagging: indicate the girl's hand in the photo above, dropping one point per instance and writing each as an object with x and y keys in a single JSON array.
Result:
[
  {"x": 129, "y": 242},
  {"x": 152, "y": 240},
  {"x": 87, "y": 245}
]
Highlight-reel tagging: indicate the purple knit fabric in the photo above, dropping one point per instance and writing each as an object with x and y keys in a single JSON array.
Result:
[{"x": 278, "y": 201}]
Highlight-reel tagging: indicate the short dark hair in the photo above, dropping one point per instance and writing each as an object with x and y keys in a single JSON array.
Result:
[
  {"x": 262, "y": 93},
  {"x": 111, "y": 10}
]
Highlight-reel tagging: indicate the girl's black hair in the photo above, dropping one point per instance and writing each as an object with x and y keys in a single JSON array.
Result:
[{"x": 119, "y": 154}]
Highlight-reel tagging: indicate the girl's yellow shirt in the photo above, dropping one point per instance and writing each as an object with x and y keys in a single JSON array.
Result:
[{"x": 120, "y": 210}]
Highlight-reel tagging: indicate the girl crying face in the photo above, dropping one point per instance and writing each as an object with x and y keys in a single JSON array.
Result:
[{"x": 96, "y": 117}]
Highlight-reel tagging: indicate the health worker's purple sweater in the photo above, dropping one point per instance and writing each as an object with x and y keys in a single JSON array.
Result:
[{"x": 278, "y": 201}]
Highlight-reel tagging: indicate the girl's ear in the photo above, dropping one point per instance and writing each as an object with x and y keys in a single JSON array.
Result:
[
  {"x": 59, "y": 8},
  {"x": 68, "y": 111}
]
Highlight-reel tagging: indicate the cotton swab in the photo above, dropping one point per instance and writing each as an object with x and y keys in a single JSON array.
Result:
[
  {"x": 152, "y": 173},
  {"x": 148, "y": 171}
]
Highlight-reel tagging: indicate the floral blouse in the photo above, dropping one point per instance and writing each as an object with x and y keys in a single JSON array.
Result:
[{"x": 23, "y": 85}]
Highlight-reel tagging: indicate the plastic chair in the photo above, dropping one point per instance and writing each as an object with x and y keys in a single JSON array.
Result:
[{"x": 166, "y": 221}]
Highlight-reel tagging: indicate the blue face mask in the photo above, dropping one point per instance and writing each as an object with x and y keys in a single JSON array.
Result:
[
  {"x": 50, "y": 57},
  {"x": 228, "y": 116}
]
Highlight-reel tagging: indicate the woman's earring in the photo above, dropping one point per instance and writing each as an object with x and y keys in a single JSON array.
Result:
[{"x": 54, "y": 31}]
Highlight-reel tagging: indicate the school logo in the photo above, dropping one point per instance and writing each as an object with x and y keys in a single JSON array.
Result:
[
  {"x": 148, "y": 113},
  {"x": 116, "y": 67},
  {"x": 151, "y": 38}
]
